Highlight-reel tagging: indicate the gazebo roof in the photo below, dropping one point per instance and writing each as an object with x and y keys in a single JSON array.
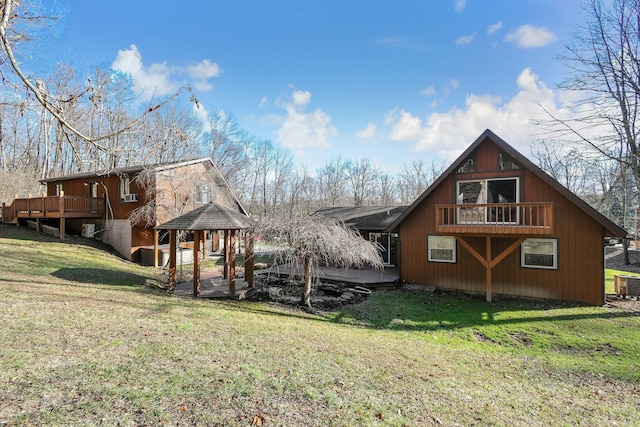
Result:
[{"x": 212, "y": 216}]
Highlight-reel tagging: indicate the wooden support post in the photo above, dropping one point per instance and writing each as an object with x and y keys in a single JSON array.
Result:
[
  {"x": 38, "y": 225},
  {"x": 216, "y": 240},
  {"x": 204, "y": 244},
  {"x": 156, "y": 234},
  {"x": 489, "y": 268},
  {"x": 2, "y": 213},
  {"x": 232, "y": 268},
  {"x": 61, "y": 210},
  {"x": 248, "y": 259},
  {"x": 225, "y": 255},
  {"x": 196, "y": 262},
  {"x": 172, "y": 259}
]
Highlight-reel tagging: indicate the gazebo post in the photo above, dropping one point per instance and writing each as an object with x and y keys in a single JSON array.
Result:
[
  {"x": 196, "y": 262},
  {"x": 232, "y": 256},
  {"x": 248, "y": 259},
  {"x": 172, "y": 260},
  {"x": 225, "y": 250}
]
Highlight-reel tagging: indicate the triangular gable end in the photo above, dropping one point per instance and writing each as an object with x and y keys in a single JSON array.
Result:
[{"x": 512, "y": 159}]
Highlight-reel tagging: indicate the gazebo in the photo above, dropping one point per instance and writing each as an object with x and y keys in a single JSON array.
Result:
[{"x": 212, "y": 216}]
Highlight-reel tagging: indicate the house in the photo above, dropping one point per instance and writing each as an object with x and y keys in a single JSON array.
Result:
[
  {"x": 495, "y": 223},
  {"x": 371, "y": 222},
  {"x": 122, "y": 206}
]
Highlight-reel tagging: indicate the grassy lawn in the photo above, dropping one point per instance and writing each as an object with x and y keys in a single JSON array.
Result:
[{"x": 87, "y": 339}]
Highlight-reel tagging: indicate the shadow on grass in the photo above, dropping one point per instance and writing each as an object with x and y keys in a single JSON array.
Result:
[
  {"x": 420, "y": 311},
  {"x": 99, "y": 276}
]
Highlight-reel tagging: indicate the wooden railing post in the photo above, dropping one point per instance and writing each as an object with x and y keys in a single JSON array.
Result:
[{"x": 15, "y": 212}]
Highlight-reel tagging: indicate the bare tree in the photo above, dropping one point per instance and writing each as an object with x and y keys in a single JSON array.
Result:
[
  {"x": 316, "y": 239},
  {"x": 332, "y": 180},
  {"x": 15, "y": 18},
  {"x": 361, "y": 177},
  {"x": 605, "y": 72}
]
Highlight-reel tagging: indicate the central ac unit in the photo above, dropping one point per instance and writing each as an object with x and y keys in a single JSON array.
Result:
[
  {"x": 88, "y": 230},
  {"x": 130, "y": 197}
]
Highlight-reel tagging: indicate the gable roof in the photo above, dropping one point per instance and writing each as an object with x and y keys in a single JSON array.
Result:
[
  {"x": 156, "y": 167},
  {"x": 610, "y": 226},
  {"x": 212, "y": 216},
  {"x": 364, "y": 217}
]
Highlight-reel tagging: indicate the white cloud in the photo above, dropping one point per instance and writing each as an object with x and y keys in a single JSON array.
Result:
[
  {"x": 494, "y": 28},
  {"x": 529, "y": 36},
  {"x": 460, "y": 5},
  {"x": 202, "y": 115},
  {"x": 430, "y": 91},
  {"x": 463, "y": 40},
  {"x": 301, "y": 129},
  {"x": 147, "y": 81},
  {"x": 368, "y": 132},
  {"x": 405, "y": 126},
  {"x": 160, "y": 79},
  {"x": 449, "y": 133},
  {"x": 263, "y": 102}
]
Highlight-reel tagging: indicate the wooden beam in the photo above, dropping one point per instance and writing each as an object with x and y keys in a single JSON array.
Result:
[
  {"x": 225, "y": 255},
  {"x": 196, "y": 262},
  {"x": 489, "y": 267},
  {"x": 172, "y": 260},
  {"x": 232, "y": 269},
  {"x": 497, "y": 260},
  {"x": 62, "y": 220},
  {"x": 473, "y": 252},
  {"x": 248, "y": 260}
]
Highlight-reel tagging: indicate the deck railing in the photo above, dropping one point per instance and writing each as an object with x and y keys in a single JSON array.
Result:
[
  {"x": 496, "y": 218},
  {"x": 53, "y": 207}
]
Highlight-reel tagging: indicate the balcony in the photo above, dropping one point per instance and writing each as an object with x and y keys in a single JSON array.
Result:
[{"x": 521, "y": 219}]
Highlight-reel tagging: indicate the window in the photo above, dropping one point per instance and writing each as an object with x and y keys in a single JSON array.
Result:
[
  {"x": 125, "y": 187},
  {"x": 540, "y": 253},
  {"x": 59, "y": 189},
  {"x": 441, "y": 249},
  {"x": 488, "y": 191},
  {"x": 93, "y": 189},
  {"x": 506, "y": 163},
  {"x": 469, "y": 165},
  {"x": 203, "y": 193}
]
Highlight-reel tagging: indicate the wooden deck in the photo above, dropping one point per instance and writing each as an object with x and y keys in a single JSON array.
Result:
[{"x": 52, "y": 207}]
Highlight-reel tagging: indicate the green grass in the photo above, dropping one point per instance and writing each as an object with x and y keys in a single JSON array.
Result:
[
  {"x": 608, "y": 279},
  {"x": 88, "y": 349}
]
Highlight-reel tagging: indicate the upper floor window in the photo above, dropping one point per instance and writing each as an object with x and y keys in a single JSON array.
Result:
[
  {"x": 125, "y": 187},
  {"x": 506, "y": 163},
  {"x": 469, "y": 165},
  {"x": 93, "y": 189},
  {"x": 500, "y": 191},
  {"x": 203, "y": 193},
  {"x": 59, "y": 189}
]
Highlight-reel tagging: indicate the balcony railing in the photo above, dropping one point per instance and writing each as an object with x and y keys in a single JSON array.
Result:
[
  {"x": 496, "y": 218},
  {"x": 53, "y": 207}
]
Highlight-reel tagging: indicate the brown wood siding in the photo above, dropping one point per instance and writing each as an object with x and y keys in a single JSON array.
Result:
[{"x": 580, "y": 264}]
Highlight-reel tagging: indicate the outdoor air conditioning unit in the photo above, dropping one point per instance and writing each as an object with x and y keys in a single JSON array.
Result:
[
  {"x": 130, "y": 197},
  {"x": 88, "y": 230}
]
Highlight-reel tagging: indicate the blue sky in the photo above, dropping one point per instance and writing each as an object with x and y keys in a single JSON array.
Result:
[{"x": 393, "y": 81}]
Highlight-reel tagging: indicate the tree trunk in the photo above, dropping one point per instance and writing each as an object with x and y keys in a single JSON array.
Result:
[
  {"x": 625, "y": 248},
  {"x": 306, "y": 285}
]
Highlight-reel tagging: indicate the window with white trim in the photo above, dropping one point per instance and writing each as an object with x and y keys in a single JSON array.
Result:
[
  {"x": 539, "y": 253},
  {"x": 203, "y": 193},
  {"x": 441, "y": 249},
  {"x": 125, "y": 186}
]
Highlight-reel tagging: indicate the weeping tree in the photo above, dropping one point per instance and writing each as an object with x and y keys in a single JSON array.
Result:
[{"x": 314, "y": 240}]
